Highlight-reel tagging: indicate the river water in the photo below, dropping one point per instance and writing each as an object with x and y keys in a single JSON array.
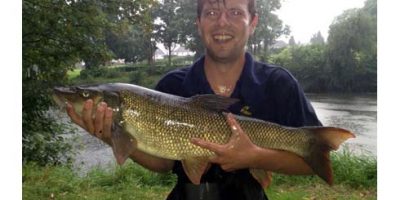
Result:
[{"x": 356, "y": 113}]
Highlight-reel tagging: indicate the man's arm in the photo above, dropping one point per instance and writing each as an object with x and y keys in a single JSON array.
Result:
[
  {"x": 100, "y": 127},
  {"x": 241, "y": 153}
]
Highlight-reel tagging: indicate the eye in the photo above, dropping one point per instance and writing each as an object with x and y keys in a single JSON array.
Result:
[
  {"x": 85, "y": 94},
  {"x": 211, "y": 13},
  {"x": 236, "y": 13}
]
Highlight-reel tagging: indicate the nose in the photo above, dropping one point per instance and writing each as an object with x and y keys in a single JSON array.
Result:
[{"x": 223, "y": 19}]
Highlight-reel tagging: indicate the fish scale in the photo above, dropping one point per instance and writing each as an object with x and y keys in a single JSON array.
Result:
[{"x": 209, "y": 126}]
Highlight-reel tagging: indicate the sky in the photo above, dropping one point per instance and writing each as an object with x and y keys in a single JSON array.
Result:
[{"x": 307, "y": 17}]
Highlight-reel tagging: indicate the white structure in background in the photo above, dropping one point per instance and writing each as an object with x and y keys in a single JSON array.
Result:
[
  {"x": 182, "y": 51},
  {"x": 179, "y": 51},
  {"x": 279, "y": 44},
  {"x": 159, "y": 54},
  {"x": 117, "y": 61}
]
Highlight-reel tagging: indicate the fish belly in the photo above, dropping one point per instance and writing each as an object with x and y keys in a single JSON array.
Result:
[{"x": 166, "y": 131}]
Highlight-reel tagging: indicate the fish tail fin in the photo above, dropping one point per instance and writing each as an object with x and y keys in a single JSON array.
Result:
[
  {"x": 326, "y": 140},
  {"x": 122, "y": 144}
]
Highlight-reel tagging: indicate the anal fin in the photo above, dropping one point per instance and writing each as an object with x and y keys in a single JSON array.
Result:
[
  {"x": 195, "y": 168},
  {"x": 122, "y": 144},
  {"x": 264, "y": 177}
]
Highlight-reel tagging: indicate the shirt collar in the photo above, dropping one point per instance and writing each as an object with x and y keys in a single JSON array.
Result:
[{"x": 196, "y": 82}]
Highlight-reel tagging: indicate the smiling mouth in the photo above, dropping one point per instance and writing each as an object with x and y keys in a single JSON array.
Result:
[{"x": 222, "y": 37}]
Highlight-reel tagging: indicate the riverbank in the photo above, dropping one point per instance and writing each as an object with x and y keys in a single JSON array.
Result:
[{"x": 355, "y": 178}]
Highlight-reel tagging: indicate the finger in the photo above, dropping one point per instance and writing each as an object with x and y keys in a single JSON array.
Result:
[
  {"x": 216, "y": 148},
  {"x": 98, "y": 122},
  {"x": 74, "y": 116},
  {"x": 234, "y": 125},
  {"x": 107, "y": 123},
  {"x": 87, "y": 116}
]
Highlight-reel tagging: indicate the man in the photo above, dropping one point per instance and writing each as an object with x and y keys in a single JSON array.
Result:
[{"x": 265, "y": 92}]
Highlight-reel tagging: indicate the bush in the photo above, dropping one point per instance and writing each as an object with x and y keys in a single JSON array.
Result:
[
  {"x": 137, "y": 77},
  {"x": 41, "y": 134}
]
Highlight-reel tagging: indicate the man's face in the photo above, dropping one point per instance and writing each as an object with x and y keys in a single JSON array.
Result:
[{"x": 225, "y": 28}]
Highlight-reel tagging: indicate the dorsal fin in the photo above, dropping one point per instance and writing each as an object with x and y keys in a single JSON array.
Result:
[{"x": 212, "y": 102}]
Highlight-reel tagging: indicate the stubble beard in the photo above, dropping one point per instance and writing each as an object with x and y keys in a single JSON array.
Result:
[{"x": 229, "y": 56}]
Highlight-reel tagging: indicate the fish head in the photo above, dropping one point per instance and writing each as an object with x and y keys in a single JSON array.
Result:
[{"x": 77, "y": 95}]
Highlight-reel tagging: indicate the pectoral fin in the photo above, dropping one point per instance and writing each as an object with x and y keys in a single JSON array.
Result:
[
  {"x": 262, "y": 176},
  {"x": 195, "y": 168},
  {"x": 122, "y": 144}
]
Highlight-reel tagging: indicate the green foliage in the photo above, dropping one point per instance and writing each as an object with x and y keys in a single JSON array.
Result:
[
  {"x": 269, "y": 28},
  {"x": 127, "y": 182},
  {"x": 355, "y": 178},
  {"x": 169, "y": 30},
  {"x": 41, "y": 139},
  {"x": 317, "y": 39},
  {"x": 140, "y": 73},
  {"x": 352, "y": 49},
  {"x": 356, "y": 171},
  {"x": 56, "y": 34},
  {"x": 346, "y": 63},
  {"x": 133, "y": 45},
  {"x": 187, "y": 14},
  {"x": 307, "y": 63}
]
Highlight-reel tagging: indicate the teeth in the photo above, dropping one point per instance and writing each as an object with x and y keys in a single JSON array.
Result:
[{"x": 222, "y": 37}]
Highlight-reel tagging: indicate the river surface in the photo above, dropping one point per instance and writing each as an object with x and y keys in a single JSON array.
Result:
[{"x": 357, "y": 113}]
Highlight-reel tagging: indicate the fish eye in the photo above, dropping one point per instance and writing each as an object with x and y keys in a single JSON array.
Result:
[{"x": 85, "y": 94}]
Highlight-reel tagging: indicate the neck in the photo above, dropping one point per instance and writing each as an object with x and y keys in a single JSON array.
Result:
[{"x": 222, "y": 76}]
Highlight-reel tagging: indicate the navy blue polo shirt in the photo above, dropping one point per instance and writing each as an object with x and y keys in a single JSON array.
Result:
[{"x": 265, "y": 92}]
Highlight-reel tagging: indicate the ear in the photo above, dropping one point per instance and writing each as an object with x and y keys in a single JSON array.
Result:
[
  {"x": 198, "y": 26},
  {"x": 254, "y": 23}
]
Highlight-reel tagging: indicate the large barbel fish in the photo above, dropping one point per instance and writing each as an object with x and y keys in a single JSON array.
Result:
[{"x": 162, "y": 125}]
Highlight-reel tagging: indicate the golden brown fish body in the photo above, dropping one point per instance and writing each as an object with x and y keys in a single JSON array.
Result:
[{"x": 163, "y": 124}]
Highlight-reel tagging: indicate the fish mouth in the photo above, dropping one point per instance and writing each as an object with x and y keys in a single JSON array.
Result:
[{"x": 59, "y": 95}]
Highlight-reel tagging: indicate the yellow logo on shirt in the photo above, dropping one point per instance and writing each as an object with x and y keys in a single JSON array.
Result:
[{"x": 246, "y": 111}]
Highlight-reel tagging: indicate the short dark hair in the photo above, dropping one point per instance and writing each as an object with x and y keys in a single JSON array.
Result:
[{"x": 251, "y": 6}]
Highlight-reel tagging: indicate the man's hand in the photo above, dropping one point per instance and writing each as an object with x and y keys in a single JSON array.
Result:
[
  {"x": 238, "y": 153},
  {"x": 100, "y": 126}
]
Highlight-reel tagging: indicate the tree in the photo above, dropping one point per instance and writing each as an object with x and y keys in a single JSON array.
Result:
[
  {"x": 352, "y": 49},
  {"x": 317, "y": 38},
  {"x": 189, "y": 37},
  {"x": 292, "y": 42},
  {"x": 56, "y": 34},
  {"x": 307, "y": 63},
  {"x": 168, "y": 30},
  {"x": 133, "y": 45},
  {"x": 269, "y": 27}
]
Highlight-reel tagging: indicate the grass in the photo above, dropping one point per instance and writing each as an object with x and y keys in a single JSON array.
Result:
[
  {"x": 355, "y": 178},
  {"x": 138, "y": 75},
  {"x": 128, "y": 182},
  {"x": 72, "y": 74}
]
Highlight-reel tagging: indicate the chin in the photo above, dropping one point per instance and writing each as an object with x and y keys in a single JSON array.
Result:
[{"x": 224, "y": 55}]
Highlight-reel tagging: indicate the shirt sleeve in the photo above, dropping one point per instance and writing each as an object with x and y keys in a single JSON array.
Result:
[{"x": 171, "y": 83}]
